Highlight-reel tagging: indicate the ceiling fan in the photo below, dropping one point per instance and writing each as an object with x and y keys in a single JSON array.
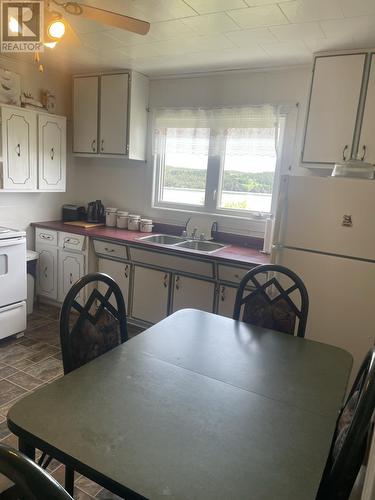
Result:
[{"x": 57, "y": 27}]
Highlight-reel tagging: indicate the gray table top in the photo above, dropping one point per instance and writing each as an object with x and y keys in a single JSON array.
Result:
[{"x": 197, "y": 407}]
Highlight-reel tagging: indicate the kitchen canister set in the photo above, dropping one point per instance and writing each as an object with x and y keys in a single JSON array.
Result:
[{"x": 124, "y": 220}]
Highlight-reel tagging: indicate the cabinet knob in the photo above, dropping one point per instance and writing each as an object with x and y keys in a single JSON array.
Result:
[
  {"x": 344, "y": 151},
  {"x": 93, "y": 145},
  {"x": 52, "y": 153},
  {"x": 45, "y": 272},
  {"x": 18, "y": 150},
  {"x": 126, "y": 271},
  {"x": 71, "y": 278},
  {"x": 364, "y": 151},
  {"x": 102, "y": 146},
  {"x": 109, "y": 250},
  {"x": 222, "y": 295},
  {"x": 165, "y": 281},
  {"x": 177, "y": 283}
]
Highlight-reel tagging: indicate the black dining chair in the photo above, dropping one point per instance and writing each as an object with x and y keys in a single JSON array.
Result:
[
  {"x": 350, "y": 439},
  {"x": 31, "y": 482},
  {"x": 274, "y": 297},
  {"x": 90, "y": 330}
]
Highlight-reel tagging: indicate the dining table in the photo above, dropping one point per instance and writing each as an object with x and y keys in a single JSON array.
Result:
[{"x": 197, "y": 406}]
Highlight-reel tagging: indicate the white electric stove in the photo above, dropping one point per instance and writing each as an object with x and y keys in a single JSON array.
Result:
[{"x": 13, "y": 284}]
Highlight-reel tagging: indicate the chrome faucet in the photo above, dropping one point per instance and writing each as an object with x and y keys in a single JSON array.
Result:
[{"x": 194, "y": 233}]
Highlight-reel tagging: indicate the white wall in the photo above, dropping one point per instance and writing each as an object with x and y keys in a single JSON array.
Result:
[
  {"x": 18, "y": 209},
  {"x": 128, "y": 185}
]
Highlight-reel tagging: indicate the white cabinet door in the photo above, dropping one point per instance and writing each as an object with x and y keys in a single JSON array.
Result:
[
  {"x": 366, "y": 149},
  {"x": 52, "y": 152},
  {"x": 192, "y": 293},
  {"x": 86, "y": 101},
  {"x": 150, "y": 294},
  {"x": 332, "y": 113},
  {"x": 71, "y": 268},
  {"x": 19, "y": 149},
  {"x": 47, "y": 271},
  {"x": 113, "y": 114},
  {"x": 227, "y": 297},
  {"x": 120, "y": 272}
]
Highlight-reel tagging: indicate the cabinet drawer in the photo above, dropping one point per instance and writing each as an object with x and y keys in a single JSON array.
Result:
[
  {"x": 110, "y": 249},
  {"x": 172, "y": 262},
  {"x": 72, "y": 241},
  {"x": 45, "y": 236},
  {"x": 12, "y": 319},
  {"x": 232, "y": 274}
]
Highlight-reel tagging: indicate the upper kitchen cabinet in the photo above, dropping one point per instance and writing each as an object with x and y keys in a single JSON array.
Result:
[
  {"x": 366, "y": 149},
  {"x": 110, "y": 115},
  {"x": 86, "y": 102},
  {"x": 333, "y": 108},
  {"x": 33, "y": 150},
  {"x": 19, "y": 142},
  {"x": 52, "y": 152}
]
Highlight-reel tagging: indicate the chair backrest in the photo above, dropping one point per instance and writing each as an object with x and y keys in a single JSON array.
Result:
[
  {"x": 274, "y": 297},
  {"x": 88, "y": 331},
  {"x": 351, "y": 435},
  {"x": 31, "y": 481}
]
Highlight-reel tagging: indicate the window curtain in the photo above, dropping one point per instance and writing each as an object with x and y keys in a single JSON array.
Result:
[{"x": 193, "y": 129}]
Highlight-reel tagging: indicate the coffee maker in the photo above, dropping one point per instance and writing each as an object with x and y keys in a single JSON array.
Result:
[{"x": 95, "y": 211}]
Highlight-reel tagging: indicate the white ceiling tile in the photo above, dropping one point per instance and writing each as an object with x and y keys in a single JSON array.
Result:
[
  {"x": 311, "y": 10},
  {"x": 254, "y": 3},
  {"x": 211, "y": 23},
  {"x": 129, "y": 38},
  {"x": 138, "y": 51},
  {"x": 353, "y": 8},
  {"x": 245, "y": 37},
  {"x": 193, "y": 44},
  {"x": 99, "y": 41},
  {"x": 286, "y": 49},
  {"x": 209, "y": 6},
  {"x": 163, "y": 10},
  {"x": 169, "y": 29},
  {"x": 254, "y": 17},
  {"x": 301, "y": 31},
  {"x": 358, "y": 29}
]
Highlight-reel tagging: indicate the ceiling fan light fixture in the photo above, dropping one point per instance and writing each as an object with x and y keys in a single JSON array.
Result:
[{"x": 56, "y": 29}]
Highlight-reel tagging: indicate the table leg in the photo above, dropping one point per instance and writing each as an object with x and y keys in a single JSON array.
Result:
[
  {"x": 69, "y": 480},
  {"x": 26, "y": 448}
]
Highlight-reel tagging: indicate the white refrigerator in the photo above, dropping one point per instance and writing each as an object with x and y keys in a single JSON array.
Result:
[{"x": 325, "y": 232}]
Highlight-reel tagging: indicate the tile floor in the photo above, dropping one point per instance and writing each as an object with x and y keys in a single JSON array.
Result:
[{"x": 28, "y": 363}]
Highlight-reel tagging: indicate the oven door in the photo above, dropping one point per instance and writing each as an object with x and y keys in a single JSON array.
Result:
[{"x": 13, "y": 287}]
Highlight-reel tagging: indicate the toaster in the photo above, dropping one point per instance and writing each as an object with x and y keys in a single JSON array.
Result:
[{"x": 73, "y": 212}]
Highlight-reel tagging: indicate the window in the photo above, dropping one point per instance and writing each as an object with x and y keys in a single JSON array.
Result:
[{"x": 218, "y": 161}]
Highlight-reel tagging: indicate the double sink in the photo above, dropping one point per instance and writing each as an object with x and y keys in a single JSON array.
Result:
[{"x": 181, "y": 242}]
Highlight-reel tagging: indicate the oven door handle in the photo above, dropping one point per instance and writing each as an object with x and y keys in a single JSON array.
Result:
[{"x": 10, "y": 243}]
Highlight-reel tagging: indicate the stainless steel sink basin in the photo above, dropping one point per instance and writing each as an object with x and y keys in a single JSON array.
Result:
[
  {"x": 163, "y": 239},
  {"x": 201, "y": 246}
]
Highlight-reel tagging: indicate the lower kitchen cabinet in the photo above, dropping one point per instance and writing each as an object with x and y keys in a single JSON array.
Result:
[
  {"x": 192, "y": 293},
  {"x": 226, "y": 300},
  {"x": 71, "y": 268},
  {"x": 118, "y": 271},
  {"x": 47, "y": 272},
  {"x": 150, "y": 294}
]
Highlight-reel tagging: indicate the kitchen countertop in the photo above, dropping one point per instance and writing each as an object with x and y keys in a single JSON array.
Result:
[{"x": 231, "y": 253}]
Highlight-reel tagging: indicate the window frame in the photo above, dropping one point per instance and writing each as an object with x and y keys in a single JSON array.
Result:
[{"x": 214, "y": 180}]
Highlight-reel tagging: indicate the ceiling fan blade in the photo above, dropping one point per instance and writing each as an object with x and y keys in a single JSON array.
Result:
[{"x": 116, "y": 20}]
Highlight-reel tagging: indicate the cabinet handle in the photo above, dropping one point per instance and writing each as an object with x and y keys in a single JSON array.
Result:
[
  {"x": 52, "y": 154},
  {"x": 126, "y": 271},
  {"x": 222, "y": 294},
  {"x": 45, "y": 272},
  {"x": 102, "y": 146},
  {"x": 71, "y": 278},
  {"x": 364, "y": 151},
  {"x": 177, "y": 283},
  {"x": 46, "y": 237},
  {"x": 109, "y": 250},
  {"x": 18, "y": 149},
  {"x": 344, "y": 151},
  {"x": 165, "y": 281},
  {"x": 93, "y": 145}
]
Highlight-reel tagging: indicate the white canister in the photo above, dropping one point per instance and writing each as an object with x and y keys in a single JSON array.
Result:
[
  {"x": 110, "y": 216},
  {"x": 134, "y": 221},
  {"x": 146, "y": 226},
  {"x": 122, "y": 219}
]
